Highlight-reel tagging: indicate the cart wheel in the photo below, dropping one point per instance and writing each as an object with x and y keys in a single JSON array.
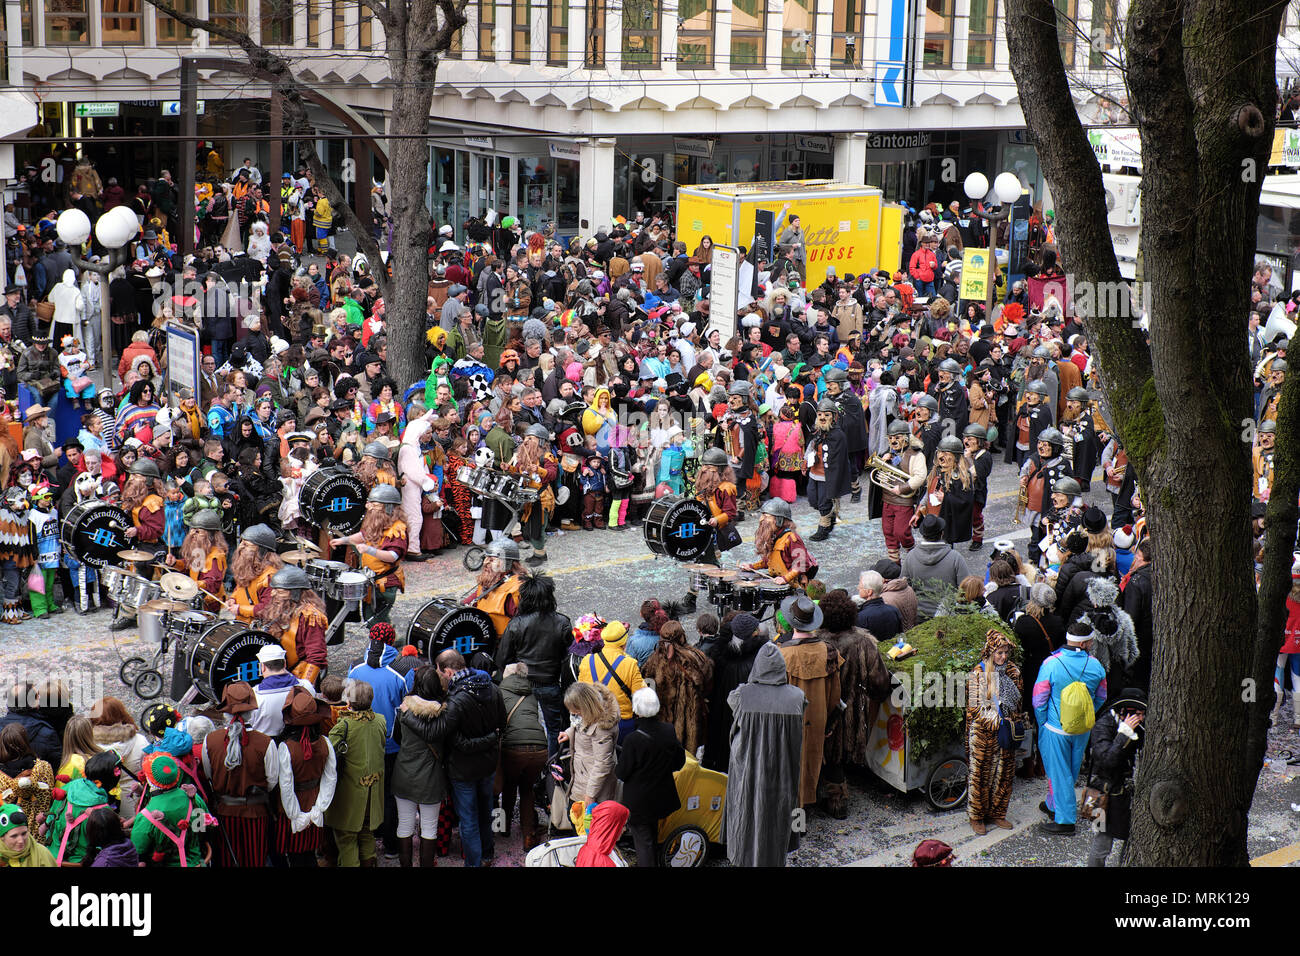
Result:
[
  {"x": 945, "y": 788},
  {"x": 130, "y": 668},
  {"x": 686, "y": 846},
  {"x": 473, "y": 559},
  {"x": 148, "y": 684}
]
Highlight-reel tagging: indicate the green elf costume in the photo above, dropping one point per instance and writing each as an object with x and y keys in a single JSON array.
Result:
[
  {"x": 161, "y": 832},
  {"x": 32, "y": 853}
]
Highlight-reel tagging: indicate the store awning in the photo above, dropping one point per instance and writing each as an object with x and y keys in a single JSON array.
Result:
[{"x": 1281, "y": 190}]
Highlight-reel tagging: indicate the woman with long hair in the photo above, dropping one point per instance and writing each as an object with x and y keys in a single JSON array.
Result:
[
  {"x": 18, "y": 760},
  {"x": 949, "y": 491},
  {"x": 993, "y": 696},
  {"x": 592, "y": 733},
  {"x": 682, "y": 675},
  {"x": 78, "y": 747}
]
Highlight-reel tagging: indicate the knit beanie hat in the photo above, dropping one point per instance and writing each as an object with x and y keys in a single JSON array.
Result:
[
  {"x": 383, "y": 632},
  {"x": 614, "y": 634},
  {"x": 161, "y": 770}
]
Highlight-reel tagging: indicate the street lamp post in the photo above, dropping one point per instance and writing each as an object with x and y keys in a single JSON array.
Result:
[
  {"x": 114, "y": 230},
  {"x": 1006, "y": 190}
]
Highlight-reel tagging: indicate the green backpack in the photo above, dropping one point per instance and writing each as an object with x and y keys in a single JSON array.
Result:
[{"x": 1077, "y": 711}]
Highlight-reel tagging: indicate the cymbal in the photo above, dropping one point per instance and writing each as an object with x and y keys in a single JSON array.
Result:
[
  {"x": 132, "y": 555},
  {"x": 179, "y": 586},
  {"x": 296, "y": 556},
  {"x": 305, "y": 545},
  {"x": 161, "y": 604},
  {"x": 725, "y": 574}
]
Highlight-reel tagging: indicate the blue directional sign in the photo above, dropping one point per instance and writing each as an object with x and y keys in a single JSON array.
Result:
[
  {"x": 891, "y": 44},
  {"x": 889, "y": 84}
]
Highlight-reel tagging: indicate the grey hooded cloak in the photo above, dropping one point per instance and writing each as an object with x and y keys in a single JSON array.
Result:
[{"x": 766, "y": 754}]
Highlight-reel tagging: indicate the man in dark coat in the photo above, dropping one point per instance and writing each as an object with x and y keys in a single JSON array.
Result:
[
  {"x": 829, "y": 468},
  {"x": 650, "y": 756},
  {"x": 853, "y": 421},
  {"x": 539, "y": 636},
  {"x": 766, "y": 762},
  {"x": 1137, "y": 603},
  {"x": 1115, "y": 741},
  {"x": 25, "y": 710}
]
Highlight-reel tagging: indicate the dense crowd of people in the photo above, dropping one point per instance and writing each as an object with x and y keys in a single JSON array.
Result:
[{"x": 590, "y": 371}]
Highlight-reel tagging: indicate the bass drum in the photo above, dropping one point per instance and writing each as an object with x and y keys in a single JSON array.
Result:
[
  {"x": 336, "y": 497},
  {"x": 226, "y": 652},
  {"x": 679, "y": 528},
  {"x": 441, "y": 624},
  {"x": 94, "y": 532}
]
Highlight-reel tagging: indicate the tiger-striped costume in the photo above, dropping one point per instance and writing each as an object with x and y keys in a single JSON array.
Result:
[{"x": 992, "y": 769}]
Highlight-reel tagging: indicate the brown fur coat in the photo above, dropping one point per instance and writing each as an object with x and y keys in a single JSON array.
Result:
[
  {"x": 682, "y": 676},
  {"x": 864, "y": 683}
]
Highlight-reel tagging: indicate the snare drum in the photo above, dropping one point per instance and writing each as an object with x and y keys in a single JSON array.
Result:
[
  {"x": 773, "y": 591},
  {"x": 226, "y": 652},
  {"x": 322, "y": 573},
  {"x": 115, "y": 581},
  {"x": 137, "y": 592},
  {"x": 477, "y": 480},
  {"x": 441, "y": 624},
  {"x": 351, "y": 586},
  {"x": 504, "y": 487},
  {"x": 189, "y": 625},
  {"x": 748, "y": 597},
  {"x": 698, "y": 576},
  {"x": 722, "y": 585}
]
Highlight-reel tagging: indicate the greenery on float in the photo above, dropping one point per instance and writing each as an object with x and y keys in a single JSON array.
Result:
[{"x": 947, "y": 649}]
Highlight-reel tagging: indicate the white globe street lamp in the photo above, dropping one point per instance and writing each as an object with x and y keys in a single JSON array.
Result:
[
  {"x": 1005, "y": 191},
  {"x": 114, "y": 230}
]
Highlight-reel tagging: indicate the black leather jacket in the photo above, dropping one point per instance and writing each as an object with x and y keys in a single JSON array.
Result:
[
  {"x": 472, "y": 722},
  {"x": 539, "y": 640}
]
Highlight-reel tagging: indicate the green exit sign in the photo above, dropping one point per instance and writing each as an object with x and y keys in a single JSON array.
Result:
[{"x": 86, "y": 110}]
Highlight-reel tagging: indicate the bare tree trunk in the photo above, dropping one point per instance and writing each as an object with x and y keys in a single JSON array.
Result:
[{"x": 1179, "y": 406}]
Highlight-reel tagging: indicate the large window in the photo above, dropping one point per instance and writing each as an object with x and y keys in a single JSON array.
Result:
[
  {"x": 121, "y": 19},
  {"x": 25, "y": 14},
  {"x": 846, "y": 33},
  {"x": 1067, "y": 15},
  {"x": 66, "y": 22},
  {"x": 231, "y": 14},
  {"x": 487, "y": 26},
  {"x": 173, "y": 31},
  {"x": 695, "y": 34},
  {"x": 748, "y": 33},
  {"x": 797, "y": 34},
  {"x": 938, "y": 34},
  {"x": 1105, "y": 32},
  {"x": 557, "y": 32},
  {"x": 594, "y": 58},
  {"x": 339, "y": 38},
  {"x": 277, "y": 22},
  {"x": 313, "y": 23},
  {"x": 521, "y": 31},
  {"x": 983, "y": 25},
  {"x": 365, "y": 28},
  {"x": 640, "y": 34}
]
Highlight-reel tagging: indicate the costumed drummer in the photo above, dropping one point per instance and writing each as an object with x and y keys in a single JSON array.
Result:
[
  {"x": 204, "y": 553},
  {"x": 781, "y": 552},
  {"x": 381, "y": 543},
  {"x": 295, "y": 614},
  {"x": 17, "y": 552},
  {"x": 715, "y": 486},
  {"x": 536, "y": 468},
  {"x": 376, "y": 466},
  {"x": 496, "y": 592},
  {"x": 254, "y": 562}
]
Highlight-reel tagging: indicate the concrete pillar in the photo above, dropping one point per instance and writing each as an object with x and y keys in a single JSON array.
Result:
[
  {"x": 851, "y": 158},
  {"x": 595, "y": 184}
]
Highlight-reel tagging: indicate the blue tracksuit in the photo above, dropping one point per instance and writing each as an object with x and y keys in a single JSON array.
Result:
[{"x": 1062, "y": 752}]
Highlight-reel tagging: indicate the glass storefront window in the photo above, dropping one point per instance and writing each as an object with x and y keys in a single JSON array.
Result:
[
  {"x": 462, "y": 189},
  {"x": 536, "y": 191},
  {"x": 566, "y": 195},
  {"x": 493, "y": 185},
  {"x": 121, "y": 19},
  {"x": 66, "y": 22},
  {"x": 444, "y": 185}
]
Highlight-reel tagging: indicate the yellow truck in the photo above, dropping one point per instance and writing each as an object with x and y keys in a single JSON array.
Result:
[{"x": 841, "y": 222}]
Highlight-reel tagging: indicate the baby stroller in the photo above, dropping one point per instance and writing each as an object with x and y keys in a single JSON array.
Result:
[{"x": 607, "y": 823}]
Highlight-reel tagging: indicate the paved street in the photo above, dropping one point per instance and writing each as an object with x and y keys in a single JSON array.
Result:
[{"x": 611, "y": 572}]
